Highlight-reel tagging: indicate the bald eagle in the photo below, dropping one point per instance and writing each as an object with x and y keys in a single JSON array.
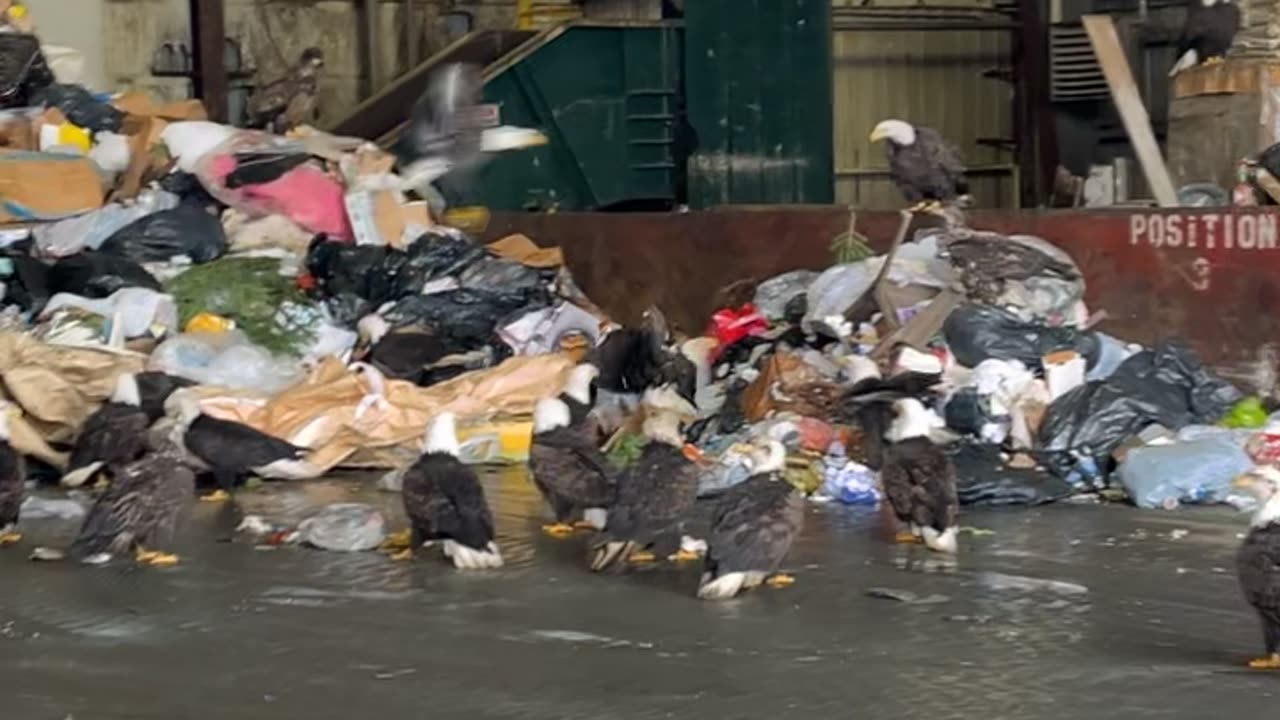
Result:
[
  {"x": 654, "y": 497},
  {"x": 13, "y": 489},
  {"x": 752, "y": 529},
  {"x": 443, "y": 131},
  {"x": 925, "y": 167},
  {"x": 1207, "y": 35},
  {"x": 1258, "y": 561},
  {"x": 445, "y": 502},
  {"x": 919, "y": 480},
  {"x": 290, "y": 101}
]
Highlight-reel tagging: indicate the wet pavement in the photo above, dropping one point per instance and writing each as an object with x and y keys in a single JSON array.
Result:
[{"x": 1067, "y": 611}]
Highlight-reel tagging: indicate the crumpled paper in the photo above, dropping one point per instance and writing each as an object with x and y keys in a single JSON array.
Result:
[
  {"x": 357, "y": 418},
  {"x": 57, "y": 387}
]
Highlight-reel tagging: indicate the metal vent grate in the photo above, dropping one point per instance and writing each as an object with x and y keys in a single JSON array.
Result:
[{"x": 1074, "y": 71}]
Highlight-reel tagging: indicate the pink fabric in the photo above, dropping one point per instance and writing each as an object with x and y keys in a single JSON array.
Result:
[{"x": 306, "y": 195}]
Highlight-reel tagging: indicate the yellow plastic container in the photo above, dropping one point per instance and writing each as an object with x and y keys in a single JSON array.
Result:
[
  {"x": 210, "y": 323},
  {"x": 496, "y": 441}
]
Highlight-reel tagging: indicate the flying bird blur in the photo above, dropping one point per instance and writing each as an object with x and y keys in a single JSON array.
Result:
[{"x": 446, "y": 131}]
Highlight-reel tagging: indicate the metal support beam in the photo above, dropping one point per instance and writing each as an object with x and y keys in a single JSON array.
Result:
[
  {"x": 373, "y": 76},
  {"x": 1034, "y": 130},
  {"x": 412, "y": 33},
  {"x": 209, "y": 38}
]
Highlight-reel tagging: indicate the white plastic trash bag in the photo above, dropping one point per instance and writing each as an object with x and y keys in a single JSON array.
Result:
[
  {"x": 189, "y": 141},
  {"x": 227, "y": 359},
  {"x": 344, "y": 527}
]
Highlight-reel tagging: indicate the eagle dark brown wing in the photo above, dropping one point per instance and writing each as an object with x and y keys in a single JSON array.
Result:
[
  {"x": 122, "y": 514},
  {"x": 445, "y": 501},
  {"x": 174, "y": 492},
  {"x": 115, "y": 433},
  {"x": 920, "y": 483},
  {"x": 654, "y": 497},
  {"x": 571, "y": 472},
  {"x": 1258, "y": 570},
  {"x": 753, "y": 526},
  {"x": 13, "y": 475}
]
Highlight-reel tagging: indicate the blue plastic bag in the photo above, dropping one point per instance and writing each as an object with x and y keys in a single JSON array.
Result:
[{"x": 1199, "y": 471}]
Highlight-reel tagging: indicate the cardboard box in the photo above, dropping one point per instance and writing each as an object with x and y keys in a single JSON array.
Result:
[
  {"x": 46, "y": 186},
  {"x": 378, "y": 217},
  {"x": 144, "y": 137}
]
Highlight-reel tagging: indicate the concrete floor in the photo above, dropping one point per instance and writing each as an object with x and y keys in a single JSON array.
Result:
[{"x": 1060, "y": 612}]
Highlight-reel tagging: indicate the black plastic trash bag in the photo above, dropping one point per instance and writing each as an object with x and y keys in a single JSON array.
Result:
[
  {"x": 466, "y": 319},
  {"x": 353, "y": 279},
  {"x": 95, "y": 274},
  {"x": 24, "y": 73},
  {"x": 81, "y": 107},
  {"x": 491, "y": 273},
  {"x": 189, "y": 190},
  {"x": 1166, "y": 385},
  {"x": 357, "y": 279},
  {"x": 983, "y": 479},
  {"x": 981, "y": 332},
  {"x": 441, "y": 254},
  {"x": 967, "y": 412},
  {"x": 26, "y": 280},
  {"x": 185, "y": 230}
]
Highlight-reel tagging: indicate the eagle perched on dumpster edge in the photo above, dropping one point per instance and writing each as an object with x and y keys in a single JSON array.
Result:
[
  {"x": 1207, "y": 34},
  {"x": 925, "y": 167}
]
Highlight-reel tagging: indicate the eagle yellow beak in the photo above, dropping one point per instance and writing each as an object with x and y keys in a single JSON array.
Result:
[{"x": 878, "y": 134}]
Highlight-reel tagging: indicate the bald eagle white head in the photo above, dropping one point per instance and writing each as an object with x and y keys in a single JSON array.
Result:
[
  {"x": 372, "y": 328},
  {"x": 898, "y": 132},
  {"x": 442, "y": 435},
  {"x": 578, "y": 384}
]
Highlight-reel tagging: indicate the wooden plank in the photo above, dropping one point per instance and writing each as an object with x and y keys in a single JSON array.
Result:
[{"x": 1124, "y": 92}]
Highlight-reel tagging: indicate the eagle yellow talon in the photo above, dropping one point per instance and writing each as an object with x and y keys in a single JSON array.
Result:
[
  {"x": 162, "y": 560},
  {"x": 10, "y": 537},
  {"x": 143, "y": 555},
  {"x": 403, "y": 555},
  {"x": 397, "y": 540},
  {"x": 1266, "y": 663},
  {"x": 905, "y": 537},
  {"x": 684, "y": 556},
  {"x": 217, "y": 496},
  {"x": 780, "y": 580},
  {"x": 641, "y": 556},
  {"x": 1215, "y": 60},
  {"x": 558, "y": 529}
]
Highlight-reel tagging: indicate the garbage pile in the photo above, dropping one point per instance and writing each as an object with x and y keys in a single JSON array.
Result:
[
  {"x": 991, "y": 334},
  {"x": 279, "y": 306}
]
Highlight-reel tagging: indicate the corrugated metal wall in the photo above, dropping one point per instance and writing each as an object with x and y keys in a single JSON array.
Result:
[{"x": 931, "y": 78}]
